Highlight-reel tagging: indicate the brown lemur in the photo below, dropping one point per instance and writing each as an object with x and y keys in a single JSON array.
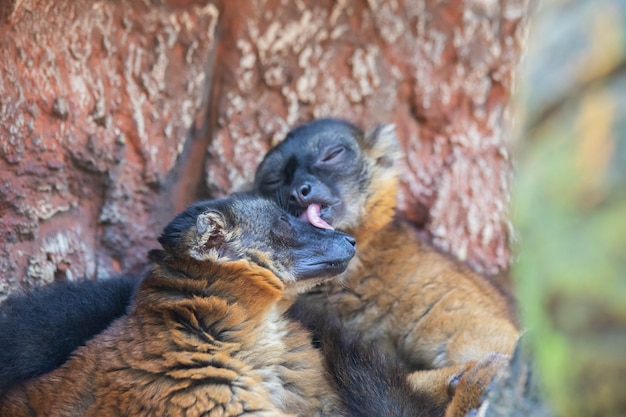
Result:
[
  {"x": 445, "y": 322},
  {"x": 418, "y": 305},
  {"x": 207, "y": 333}
]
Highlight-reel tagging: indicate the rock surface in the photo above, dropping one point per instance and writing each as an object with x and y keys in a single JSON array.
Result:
[
  {"x": 99, "y": 103},
  {"x": 116, "y": 115}
]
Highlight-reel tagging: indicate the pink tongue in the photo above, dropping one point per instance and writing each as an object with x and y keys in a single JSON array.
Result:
[{"x": 312, "y": 215}]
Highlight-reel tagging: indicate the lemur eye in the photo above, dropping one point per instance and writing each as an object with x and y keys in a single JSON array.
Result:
[
  {"x": 332, "y": 154},
  {"x": 271, "y": 182}
]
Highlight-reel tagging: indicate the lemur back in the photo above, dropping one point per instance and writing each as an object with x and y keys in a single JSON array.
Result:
[{"x": 40, "y": 329}]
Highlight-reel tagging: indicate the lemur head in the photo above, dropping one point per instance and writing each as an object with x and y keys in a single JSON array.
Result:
[
  {"x": 332, "y": 174},
  {"x": 248, "y": 227}
]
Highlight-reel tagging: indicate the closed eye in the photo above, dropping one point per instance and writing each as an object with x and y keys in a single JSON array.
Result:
[
  {"x": 271, "y": 182},
  {"x": 333, "y": 154}
]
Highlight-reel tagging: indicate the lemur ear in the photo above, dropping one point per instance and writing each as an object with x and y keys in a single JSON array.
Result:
[
  {"x": 382, "y": 144},
  {"x": 209, "y": 236}
]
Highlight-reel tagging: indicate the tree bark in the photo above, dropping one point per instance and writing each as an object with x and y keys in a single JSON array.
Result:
[
  {"x": 99, "y": 101},
  {"x": 115, "y": 115}
]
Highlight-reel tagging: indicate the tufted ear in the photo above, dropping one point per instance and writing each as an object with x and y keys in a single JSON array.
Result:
[
  {"x": 382, "y": 144},
  {"x": 209, "y": 235}
]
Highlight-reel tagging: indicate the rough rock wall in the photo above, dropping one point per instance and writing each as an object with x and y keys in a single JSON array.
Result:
[
  {"x": 98, "y": 103},
  {"x": 441, "y": 71},
  {"x": 114, "y": 115}
]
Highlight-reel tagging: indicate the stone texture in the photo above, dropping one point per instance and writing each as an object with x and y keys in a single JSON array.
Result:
[
  {"x": 441, "y": 71},
  {"x": 98, "y": 103},
  {"x": 115, "y": 115}
]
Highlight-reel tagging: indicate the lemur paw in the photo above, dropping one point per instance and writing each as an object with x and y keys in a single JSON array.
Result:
[{"x": 468, "y": 387}]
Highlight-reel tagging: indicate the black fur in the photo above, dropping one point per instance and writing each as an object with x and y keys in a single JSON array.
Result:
[
  {"x": 39, "y": 330},
  {"x": 368, "y": 382},
  {"x": 318, "y": 162}
]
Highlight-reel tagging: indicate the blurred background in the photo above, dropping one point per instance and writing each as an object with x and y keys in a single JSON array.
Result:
[{"x": 570, "y": 203}]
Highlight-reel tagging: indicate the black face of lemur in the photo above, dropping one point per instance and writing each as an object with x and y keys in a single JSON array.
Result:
[
  {"x": 250, "y": 227},
  {"x": 319, "y": 162}
]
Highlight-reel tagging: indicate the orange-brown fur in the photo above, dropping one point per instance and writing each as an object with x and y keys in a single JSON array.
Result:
[
  {"x": 201, "y": 338},
  {"x": 442, "y": 319},
  {"x": 427, "y": 308},
  {"x": 147, "y": 363}
]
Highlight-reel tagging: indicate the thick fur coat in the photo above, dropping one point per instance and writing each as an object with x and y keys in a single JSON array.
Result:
[
  {"x": 447, "y": 324},
  {"x": 206, "y": 332}
]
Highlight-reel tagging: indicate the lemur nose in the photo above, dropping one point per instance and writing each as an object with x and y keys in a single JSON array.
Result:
[
  {"x": 301, "y": 193},
  {"x": 305, "y": 189}
]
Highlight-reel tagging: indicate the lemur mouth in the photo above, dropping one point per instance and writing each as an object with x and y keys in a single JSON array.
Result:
[
  {"x": 327, "y": 269},
  {"x": 312, "y": 214}
]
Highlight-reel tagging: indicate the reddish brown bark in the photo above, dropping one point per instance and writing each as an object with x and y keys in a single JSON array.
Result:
[
  {"x": 108, "y": 109},
  {"x": 98, "y": 103},
  {"x": 441, "y": 71}
]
